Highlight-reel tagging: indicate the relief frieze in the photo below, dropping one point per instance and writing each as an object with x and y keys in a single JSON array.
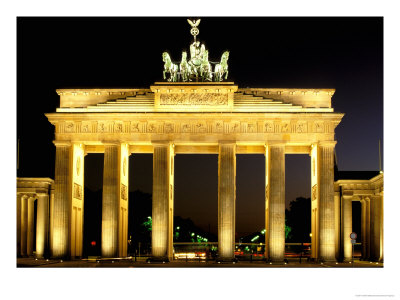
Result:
[
  {"x": 192, "y": 126},
  {"x": 269, "y": 127},
  {"x": 319, "y": 127},
  {"x": 218, "y": 127},
  {"x": 285, "y": 127},
  {"x": 234, "y": 127},
  {"x": 118, "y": 127},
  {"x": 124, "y": 192},
  {"x": 135, "y": 127},
  {"x": 77, "y": 192},
  {"x": 301, "y": 127},
  {"x": 194, "y": 99},
  {"x": 314, "y": 192}
]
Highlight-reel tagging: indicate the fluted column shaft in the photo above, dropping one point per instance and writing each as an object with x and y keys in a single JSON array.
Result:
[
  {"x": 226, "y": 201},
  {"x": 19, "y": 224},
  {"x": 60, "y": 245},
  {"x": 24, "y": 224},
  {"x": 376, "y": 228},
  {"x": 42, "y": 227},
  {"x": 30, "y": 231},
  {"x": 109, "y": 225},
  {"x": 162, "y": 213},
  {"x": 364, "y": 229},
  {"x": 347, "y": 227},
  {"x": 327, "y": 207},
  {"x": 276, "y": 236},
  {"x": 368, "y": 227}
]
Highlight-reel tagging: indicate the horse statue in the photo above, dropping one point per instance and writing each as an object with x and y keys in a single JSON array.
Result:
[
  {"x": 221, "y": 69},
  {"x": 184, "y": 67},
  {"x": 169, "y": 67},
  {"x": 205, "y": 68}
]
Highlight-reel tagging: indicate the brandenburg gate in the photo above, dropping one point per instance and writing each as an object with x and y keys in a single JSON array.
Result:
[{"x": 193, "y": 111}]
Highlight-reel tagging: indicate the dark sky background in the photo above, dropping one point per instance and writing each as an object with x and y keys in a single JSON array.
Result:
[{"x": 341, "y": 53}]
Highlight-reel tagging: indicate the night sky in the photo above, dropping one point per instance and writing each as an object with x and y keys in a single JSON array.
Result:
[{"x": 341, "y": 53}]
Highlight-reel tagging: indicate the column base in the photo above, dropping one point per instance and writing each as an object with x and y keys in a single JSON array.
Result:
[{"x": 158, "y": 259}]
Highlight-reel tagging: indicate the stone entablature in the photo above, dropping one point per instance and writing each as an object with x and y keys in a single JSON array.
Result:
[
  {"x": 187, "y": 97},
  {"x": 361, "y": 188},
  {"x": 34, "y": 185},
  {"x": 184, "y": 127}
]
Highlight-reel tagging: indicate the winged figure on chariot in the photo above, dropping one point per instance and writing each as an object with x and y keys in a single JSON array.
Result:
[{"x": 198, "y": 67}]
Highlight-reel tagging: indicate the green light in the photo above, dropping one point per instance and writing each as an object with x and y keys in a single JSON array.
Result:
[
  {"x": 206, "y": 240},
  {"x": 192, "y": 233},
  {"x": 255, "y": 238},
  {"x": 263, "y": 231},
  {"x": 177, "y": 228}
]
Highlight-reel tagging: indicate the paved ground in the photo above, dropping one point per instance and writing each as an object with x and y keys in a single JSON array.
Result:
[{"x": 128, "y": 263}]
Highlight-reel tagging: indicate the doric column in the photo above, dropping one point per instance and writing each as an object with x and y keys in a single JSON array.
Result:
[
  {"x": 77, "y": 198},
  {"x": 123, "y": 163},
  {"x": 326, "y": 202},
  {"x": 368, "y": 227},
  {"x": 24, "y": 224},
  {"x": 42, "y": 225},
  {"x": 275, "y": 201},
  {"x": 60, "y": 246},
  {"x": 347, "y": 227},
  {"x": 226, "y": 201},
  {"x": 51, "y": 225},
  {"x": 376, "y": 228},
  {"x": 363, "y": 229},
  {"x": 315, "y": 196},
  {"x": 30, "y": 230},
  {"x": 337, "y": 222},
  {"x": 109, "y": 224},
  {"x": 115, "y": 200},
  {"x": 162, "y": 211},
  {"x": 19, "y": 224}
]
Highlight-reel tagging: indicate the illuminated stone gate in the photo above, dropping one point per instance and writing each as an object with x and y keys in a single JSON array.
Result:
[
  {"x": 171, "y": 118},
  {"x": 194, "y": 111}
]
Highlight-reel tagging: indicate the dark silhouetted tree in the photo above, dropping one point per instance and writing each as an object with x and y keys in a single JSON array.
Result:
[{"x": 298, "y": 218}]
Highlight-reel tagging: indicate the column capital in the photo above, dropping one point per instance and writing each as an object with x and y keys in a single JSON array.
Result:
[
  {"x": 58, "y": 143},
  {"x": 327, "y": 144},
  {"x": 275, "y": 144},
  {"x": 78, "y": 143},
  {"x": 227, "y": 142},
  {"x": 42, "y": 195},
  {"x": 161, "y": 143},
  {"x": 111, "y": 143}
]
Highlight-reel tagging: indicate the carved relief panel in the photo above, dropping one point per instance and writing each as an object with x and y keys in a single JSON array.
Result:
[{"x": 77, "y": 192}]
